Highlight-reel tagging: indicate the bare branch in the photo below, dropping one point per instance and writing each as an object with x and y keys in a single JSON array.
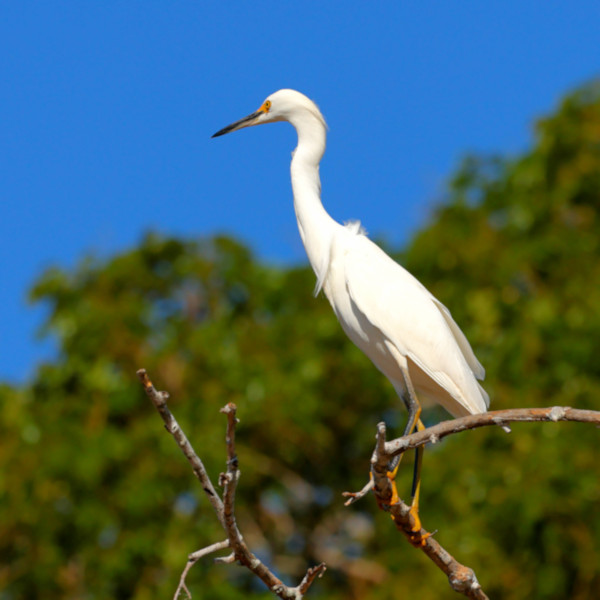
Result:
[
  {"x": 310, "y": 576},
  {"x": 229, "y": 479},
  {"x": 379, "y": 469},
  {"x": 192, "y": 559},
  {"x": 209, "y": 550},
  {"x": 462, "y": 579},
  {"x": 356, "y": 496},
  {"x": 226, "y": 560},
  {"x": 224, "y": 508},
  {"x": 159, "y": 399},
  {"x": 242, "y": 553},
  {"x": 433, "y": 434}
]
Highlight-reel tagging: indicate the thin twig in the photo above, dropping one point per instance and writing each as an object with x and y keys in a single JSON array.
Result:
[
  {"x": 159, "y": 399},
  {"x": 310, "y": 576},
  {"x": 192, "y": 559},
  {"x": 356, "y": 496},
  {"x": 226, "y": 560}
]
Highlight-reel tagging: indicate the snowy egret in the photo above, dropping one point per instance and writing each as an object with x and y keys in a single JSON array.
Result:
[{"x": 408, "y": 334}]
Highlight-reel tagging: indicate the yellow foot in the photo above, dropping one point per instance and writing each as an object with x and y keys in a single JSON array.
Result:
[
  {"x": 394, "y": 498},
  {"x": 415, "y": 537},
  {"x": 414, "y": 511},
  {"x": 418, "y": 540},
  {"x": 391, "y": 475}
]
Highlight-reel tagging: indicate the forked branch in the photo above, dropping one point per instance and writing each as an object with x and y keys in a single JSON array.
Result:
[
  {"x": 462, "y": 579},
  {"x": 224, "y": 507}
]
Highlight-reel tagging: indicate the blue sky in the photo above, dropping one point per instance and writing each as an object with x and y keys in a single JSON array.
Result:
[{"x": 107, "y": 110}]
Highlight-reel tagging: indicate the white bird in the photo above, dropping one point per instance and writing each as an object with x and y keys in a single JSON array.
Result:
[{"x": 407, "y": 333}]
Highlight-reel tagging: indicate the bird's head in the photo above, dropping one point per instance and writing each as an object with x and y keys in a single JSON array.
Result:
[{"x": 284, "y": 105}]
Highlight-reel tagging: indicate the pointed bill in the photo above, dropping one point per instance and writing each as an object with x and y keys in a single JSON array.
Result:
[{"x": 245, "y": 122}]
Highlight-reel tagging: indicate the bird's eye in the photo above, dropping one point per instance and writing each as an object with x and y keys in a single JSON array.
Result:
[{"x": 267, "y": 104}]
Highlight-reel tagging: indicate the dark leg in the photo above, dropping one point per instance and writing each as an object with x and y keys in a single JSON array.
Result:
[
  {"x": 416, "y": 486},
  {"x": 414, "y": 412},
  {"x": 412, "y": 405},
  {"x": 414, "y": 421}
]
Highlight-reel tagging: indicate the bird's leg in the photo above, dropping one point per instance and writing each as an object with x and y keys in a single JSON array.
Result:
[
  {"x": 414, "y": 413},
  {"x": 412, "y": 405},
  {"x": 414, "y": 421},
  {"x": 416, "y": 486}
]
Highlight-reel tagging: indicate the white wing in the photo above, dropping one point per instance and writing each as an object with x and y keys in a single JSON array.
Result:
[{"x": 412, "y": 322}]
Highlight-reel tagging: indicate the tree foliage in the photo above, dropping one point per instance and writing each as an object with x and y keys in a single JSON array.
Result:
[{"x": 96, "y": 501}]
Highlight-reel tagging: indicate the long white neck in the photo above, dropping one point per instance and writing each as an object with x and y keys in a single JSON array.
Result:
[{"x": 316, "y": 227}]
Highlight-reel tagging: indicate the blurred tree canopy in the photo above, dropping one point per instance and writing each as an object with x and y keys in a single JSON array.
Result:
[{"x": 97, "y": 502}]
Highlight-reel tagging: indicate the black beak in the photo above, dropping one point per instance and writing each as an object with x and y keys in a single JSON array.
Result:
[{"x": 238, "y": 124}]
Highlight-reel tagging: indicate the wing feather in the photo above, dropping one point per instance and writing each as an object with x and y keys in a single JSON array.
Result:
[
  {"x": 415, "y": 322},
  {"x": 461, "y": 340}
]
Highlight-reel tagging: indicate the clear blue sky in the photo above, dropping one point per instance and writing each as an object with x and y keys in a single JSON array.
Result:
[{"x": 107, "y": 110}]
